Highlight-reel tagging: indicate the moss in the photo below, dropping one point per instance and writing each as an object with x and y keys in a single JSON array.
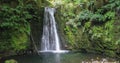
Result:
[
  {"x": 19, "y": 41},
  {"x": 110, "y": 53},
  {"x": 11, "y": 61}
]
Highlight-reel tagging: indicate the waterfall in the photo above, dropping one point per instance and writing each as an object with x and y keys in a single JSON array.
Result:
[{"x": 50, "y": 38}]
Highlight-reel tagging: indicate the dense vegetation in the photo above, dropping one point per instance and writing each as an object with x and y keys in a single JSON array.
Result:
[
  {"x": 86, "y": 25},
  {"x": 15, "y": 19},
  {"x": 92, "y": 26}
]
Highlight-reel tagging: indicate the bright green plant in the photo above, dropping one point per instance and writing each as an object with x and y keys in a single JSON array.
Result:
[{"x": 71, "y": 38}]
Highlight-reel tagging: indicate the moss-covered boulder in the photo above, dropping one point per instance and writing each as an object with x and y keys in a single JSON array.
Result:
[{"x": 11, "y": 61}]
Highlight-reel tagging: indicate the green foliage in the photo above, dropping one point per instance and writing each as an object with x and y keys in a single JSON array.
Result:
[
  {"x": 70, "y": 35},
  {"x": 19, "y": 41},
  {"x": 5, "y": 41},
  {"x": 85, "y": 15},
  {"x": 101, "y": 37},
  {"x": 15, "y": 25},
  {"x": 12, "y": 17},
  {"x": 74, "y": 36},
  {"x": 109, "y": 15},
  {"x": 118, "y": 42},
  {"x": 97, "y": 17},
  {"x": 110, "y": 53},
  {"x": 113, "y": 4},
  {"x": 93, "y": 26}
]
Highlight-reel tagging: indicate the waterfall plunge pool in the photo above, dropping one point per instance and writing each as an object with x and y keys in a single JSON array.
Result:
[{"x": 48, "y": 57}]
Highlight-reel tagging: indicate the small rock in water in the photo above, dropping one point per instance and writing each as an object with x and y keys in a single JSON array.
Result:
[
  {"x": 104, "y": 60},
  {"x": 83, "y": 62}
]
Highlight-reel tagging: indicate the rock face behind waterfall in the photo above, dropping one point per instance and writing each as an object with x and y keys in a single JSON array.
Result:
[{"x": 50, "y": 38}]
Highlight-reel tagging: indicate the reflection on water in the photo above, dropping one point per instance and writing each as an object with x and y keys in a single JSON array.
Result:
[
  {"x": 63, "y": 58},
  {"x": 50, "y": 58}
]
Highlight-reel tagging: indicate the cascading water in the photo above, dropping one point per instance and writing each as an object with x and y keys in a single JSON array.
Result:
[{"x": 50, "y": 38}]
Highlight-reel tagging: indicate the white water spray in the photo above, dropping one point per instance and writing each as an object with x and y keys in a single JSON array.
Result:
[{"x": 50, "y": 38}]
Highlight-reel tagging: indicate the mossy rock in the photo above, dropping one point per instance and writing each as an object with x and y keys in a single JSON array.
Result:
[{"x": 11, "y": 61}]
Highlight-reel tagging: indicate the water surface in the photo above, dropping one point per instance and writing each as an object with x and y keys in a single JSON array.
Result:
[{"x": 62, "y": 58}]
